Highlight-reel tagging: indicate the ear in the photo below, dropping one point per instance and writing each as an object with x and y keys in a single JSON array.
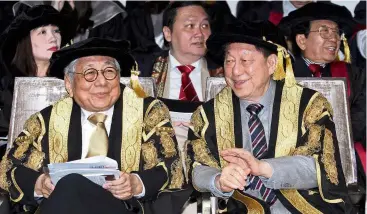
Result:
[
  {"x": 301, "y": 41},
  {"x": 272, "y": 62},
  {"x": 68, "y": 85},
  {"x": 167, "y": 33}
]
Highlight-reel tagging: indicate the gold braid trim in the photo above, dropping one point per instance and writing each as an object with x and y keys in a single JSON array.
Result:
[
  {"x": 328, "y": 158},
  {"x": 35, "y": 160},
  {"x": 21, "y": 194},
  {"x": 202, "y": 153},
  {"x": 224, "y": 122},
  {"x": 22, "y": 147},
  {"x": 59, "y": 130},
  {"x": 318, "y": 174},
  {"x": 33, "y": 125},
  {"x": 132, "y": 120},
  {"x": 296, "y": 199},
  {"x": 166, "y": 134},
  {"x": 177, "y": 178},
  {"x": 38, "y": 144},
  {"x": 316, "y": 110},
  {"x": 197, "y": 122},
  {"x": 156, "y": 115},
  {"x": 159, "y": 73},
  {"x": 313, "y": 145},
  {"x": 150, "y": 155},
  {"x": 253, "y": 206},
  {"x": 188, "y": 161},
  {"x": 5, "y": 166}
]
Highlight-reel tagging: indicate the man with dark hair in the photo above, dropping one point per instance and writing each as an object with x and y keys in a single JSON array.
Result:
[
  {"x": 264, "y": 141},
  {"x": 186, "y": 26}
]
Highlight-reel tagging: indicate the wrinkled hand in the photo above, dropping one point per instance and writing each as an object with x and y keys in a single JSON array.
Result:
[
  {"x": 44, "y": 186},
  {"x": 238, "y": 156},
  {"x": 125, "y": 187},
  {"x": 233, "y": 177}
]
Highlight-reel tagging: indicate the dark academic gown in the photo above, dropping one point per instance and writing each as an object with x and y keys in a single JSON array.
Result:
[
  {"x": 141, "y": 140},
  {"x": 356, "y": 82},
  {"x": 260, "y": 10},
  {"x": 301, "y": 125}
]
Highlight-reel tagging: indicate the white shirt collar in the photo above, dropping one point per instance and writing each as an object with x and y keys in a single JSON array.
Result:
[
  {"x": 288, "y": 7},
  {"x": 86, "y": 114},
  {"x": 174, "y": 63}
]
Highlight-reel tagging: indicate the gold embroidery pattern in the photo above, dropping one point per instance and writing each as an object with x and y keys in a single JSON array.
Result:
[
  {"x": 132, "y": 120},
  {"x": 156, "y": 113},
  {"x": 287, "y": 140},
  {"x": 296, "y": 199},
  {"x": 328, "y": 158},
  {"x": 43, "y": 131},
  {"x": 315, "y": 111},
  {"x": 21, "y": 194},
  {"x": 59, "y": 130},
  {"x": 33, "y": 125},
  {"x": 197, "y": 121},
  {"x": 224, "y": 122},
  {"x": 288, "y": 120},
  {"x": 159, "y": 73},
  {"x": 177, "y": 178},
  {"x": 166, "y": 134},
  {"x": 150, "y": 155},
  {"x": 313, "y": 145},
  {"x": 35, "y": 160},
  {"x": 202, "y": 153},
  {"x": 188, "y": 161},
  {"x": 318, "y": 175},
  {"x": 5, "y": 166},
  {"x": 253, "y": 206},
  {"x": 22, "y": 147}
]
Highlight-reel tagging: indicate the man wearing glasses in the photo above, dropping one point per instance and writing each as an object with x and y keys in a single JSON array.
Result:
[
  {"x": 318, "y": 31},
  {"x": 100, "y": 117}
]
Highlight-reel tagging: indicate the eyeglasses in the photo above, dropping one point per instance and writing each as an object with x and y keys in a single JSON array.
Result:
[
  {"x": 328, "y": 32},
  {"x": 91, "y": 74}
]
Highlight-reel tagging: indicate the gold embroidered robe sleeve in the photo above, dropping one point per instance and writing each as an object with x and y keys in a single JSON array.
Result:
[
  {"x": 200, "y": 149},
  {"x": 160, "y": 157},
  {"x": 318, "y": 132},
  {"x": 20, "y": 166}
]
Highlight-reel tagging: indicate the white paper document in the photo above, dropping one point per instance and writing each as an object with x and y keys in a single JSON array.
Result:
[{"x": 97, "y": 169}]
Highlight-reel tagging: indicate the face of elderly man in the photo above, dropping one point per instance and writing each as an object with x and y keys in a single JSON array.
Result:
[
  {"x": 98, "y": 95},
  {"x": 247, "y": 71}
]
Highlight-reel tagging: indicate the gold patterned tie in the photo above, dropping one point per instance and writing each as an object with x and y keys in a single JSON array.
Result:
[{"x": 98, "y": 144}]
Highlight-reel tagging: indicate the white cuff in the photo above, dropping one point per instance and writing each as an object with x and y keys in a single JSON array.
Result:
[{"x": 142, "y": 194}]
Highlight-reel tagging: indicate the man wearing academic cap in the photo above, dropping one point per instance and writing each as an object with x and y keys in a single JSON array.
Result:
[
  {"x": 99, "y": 117},
  {"x": 264, "y": 141},
  {"x": 318, "y": 31}
]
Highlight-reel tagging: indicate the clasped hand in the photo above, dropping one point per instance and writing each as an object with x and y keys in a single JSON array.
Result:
[
  {"x": 241, "y": 163},
  {"x": 125, "y": 187}
]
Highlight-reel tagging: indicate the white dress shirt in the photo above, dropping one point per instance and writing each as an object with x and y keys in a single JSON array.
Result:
[
  {"x": 288, "y": 7},
  {"x": 87, "y": 130},
  {"x": 175, "y": 78}
]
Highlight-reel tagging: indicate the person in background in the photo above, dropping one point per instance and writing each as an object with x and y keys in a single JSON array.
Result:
[{"x": 26, "y": 47}]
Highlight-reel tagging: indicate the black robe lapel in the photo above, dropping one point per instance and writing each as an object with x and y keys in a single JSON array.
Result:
[
  {"x": 326, "y": 72},
  {"x": 275, "y": 119},
  {"x": 237, "y": 121},
  {"x": 115, "y": 137},
  {"x": 75, "y": 134},
  {"x": 300, "y": 68}
]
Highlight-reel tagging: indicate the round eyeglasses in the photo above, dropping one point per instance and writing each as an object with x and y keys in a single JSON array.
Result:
[
  {"x": 91, "y": 74},
  {"x": 328, "y": 32}
]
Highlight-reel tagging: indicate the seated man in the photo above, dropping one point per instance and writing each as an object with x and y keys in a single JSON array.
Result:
[
  {"x": 265, "y": 141},
  {"x": 99, "y": 117}
]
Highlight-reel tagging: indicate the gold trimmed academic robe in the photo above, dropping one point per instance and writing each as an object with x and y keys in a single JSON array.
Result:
[{"x": 301, "y": 124}]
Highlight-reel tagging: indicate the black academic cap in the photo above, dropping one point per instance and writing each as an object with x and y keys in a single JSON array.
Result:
[{"x": 118, "y": 49}]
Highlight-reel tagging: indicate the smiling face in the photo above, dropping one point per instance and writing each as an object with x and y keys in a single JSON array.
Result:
[
  {"x": 247, "y": 71},
  {"x": 45, "y": 40},
  {"x": 189, "y": 33},
  {"x": 316, "y": 48},
  {"x": 96, "y": 96}
]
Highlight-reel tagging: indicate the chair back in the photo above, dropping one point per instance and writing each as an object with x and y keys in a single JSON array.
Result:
[
  {"x": 334, "y": 89},
  {"x": 32, "y": 94}
]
